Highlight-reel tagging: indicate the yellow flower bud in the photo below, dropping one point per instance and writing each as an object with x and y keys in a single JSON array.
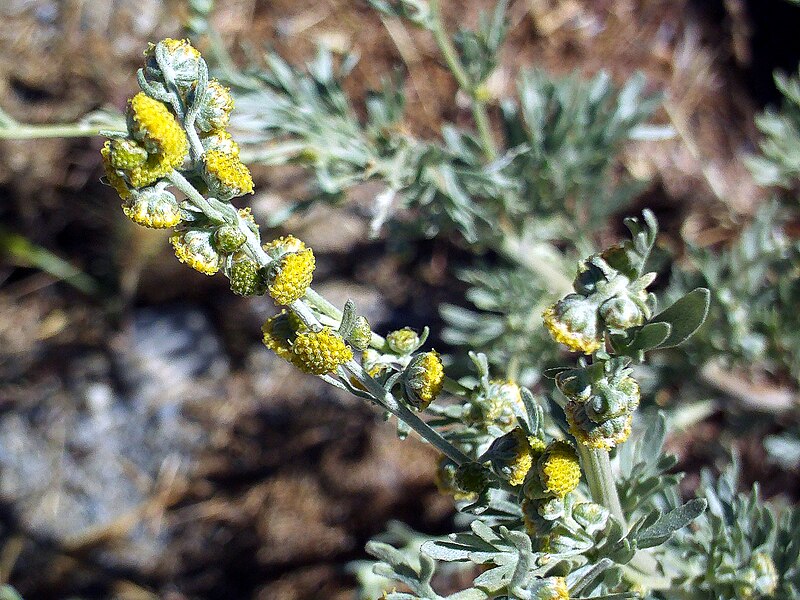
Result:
[
  {"x": 423, "y": 379},
  {"x": 226, "y": 175},
  {"x": 573, "y": 322},
  {"x": 153, "y": 207},
  {"x": 290, "y": 276},
  {"x": 196, "y": 250},
  {"x": 320, "y": 352},
  {"x": 552, "y": 588},
  {"x": 559, "y": 468}
]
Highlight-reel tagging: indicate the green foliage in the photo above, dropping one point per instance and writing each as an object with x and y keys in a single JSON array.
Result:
[
  {"x": 740, "y": 549},
  {"x": 779, "y": 162}
]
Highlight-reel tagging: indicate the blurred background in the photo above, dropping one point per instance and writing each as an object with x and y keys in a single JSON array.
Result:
[{"x": 150, "y": 447}]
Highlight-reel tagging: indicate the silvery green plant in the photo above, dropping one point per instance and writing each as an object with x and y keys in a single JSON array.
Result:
[
  {"x": 546, "y": 517},
  {"x": 565, "y": 493}
]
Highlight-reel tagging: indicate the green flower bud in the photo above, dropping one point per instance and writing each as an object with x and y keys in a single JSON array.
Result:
[
  {"x": 621, "y": 313},
  {"x": 361, "y": 336},
  {"x": 592, "y": 517},
  {"x": 215, "y": 106},
  {"x": 247, "y": 278},
  {"x": 229, "y": 239},
  {"x": 602, "y": 399},
  {"x": 574, "y": 322},
  {"x": 180, "y": 57},
  {"x": 471, "y": 478},
  {"x": 403, "y": 341}
]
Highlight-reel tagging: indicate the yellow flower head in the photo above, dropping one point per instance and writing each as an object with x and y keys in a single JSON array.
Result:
[
  {"x": 423, "y": 379},
  {"x": 152, "y": 123},
  {"x": 522, "y": 460},
  {"x": 226, "y": 175},
  {"x": 573, "y": 326},
  {"x": 115, "y": 180},
  {"x": 320, "y": 352},
  {"x": 153, "y": 207},
  {"x": 196, "y": 250},
  {"x": 278, "y": 334},
  {"x": 290, "y": 276},
  {"x": 559, "y": 468},
  {"x": 602, "y": 436}
]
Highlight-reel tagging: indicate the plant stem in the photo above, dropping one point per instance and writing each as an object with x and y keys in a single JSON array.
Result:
[
  {"x": 405, "y": 414},
  {"x": 477, "y": 105},
  {"x": 25, "y": 131},
  {"x": 597, "y": 468}
]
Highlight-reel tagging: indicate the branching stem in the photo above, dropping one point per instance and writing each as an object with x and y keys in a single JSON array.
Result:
[{"x": 477, "y": 105}]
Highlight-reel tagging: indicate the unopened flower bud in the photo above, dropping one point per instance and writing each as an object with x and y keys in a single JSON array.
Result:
[
  {"x": 621, "y": 313},
  {"x": 247, "y": 278},
  {"x": 361, "y": 336},
  {"x": 573, "y": 321},
  {"x": 215, "y": 106},
  {"x": 153, "y": 207},
  {"x": 180, "y": 58},
  {"x": 403, "y": 341},
  {"x": 423, "y": 379},
  {"x": 229, "y": 239},
  {"x": 196, "y": 249}
]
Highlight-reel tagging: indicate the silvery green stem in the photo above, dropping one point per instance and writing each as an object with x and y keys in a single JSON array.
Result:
[
  {"x": 405, "y": 414},
  {"x": 597, "y": 468},
  {"x": 462, "y": 78}
]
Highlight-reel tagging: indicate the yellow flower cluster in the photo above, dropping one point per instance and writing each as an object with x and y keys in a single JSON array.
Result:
[
  {"x": 427, "y": 379},
  {"x": 559, "y": 468},
  {"x": 276, "y": 334},
  {"x": 319, "y": 353},
  {"x": 227, "y": 176},
  {"x": 291, "y": 275},
  {"x": 575, "y": 340},
  {"x": 522, "y": 460},
  {"x": 604, "y": 436},
  {"x": 150, "y": 212},
  {"x": 195, "y": 249}
]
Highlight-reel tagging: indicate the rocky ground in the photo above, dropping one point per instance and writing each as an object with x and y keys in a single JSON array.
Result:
[{"x": 149, "y": 446}]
